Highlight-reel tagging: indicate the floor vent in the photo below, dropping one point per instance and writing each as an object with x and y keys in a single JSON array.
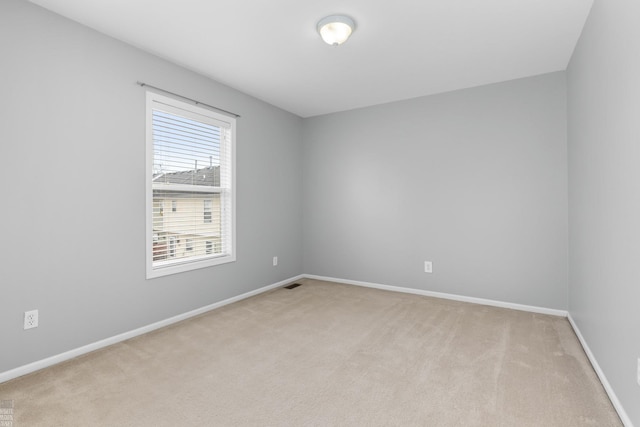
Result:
[{"x": 295, "y": 285}]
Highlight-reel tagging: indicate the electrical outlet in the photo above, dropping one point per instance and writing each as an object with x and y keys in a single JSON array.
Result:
[
  {"x": 428, "y": 267},
  {"x": 30, "y": 319},
  {"x": 275, "y": 261}
]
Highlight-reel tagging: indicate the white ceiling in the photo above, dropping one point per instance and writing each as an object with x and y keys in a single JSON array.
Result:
[{"x": 401, "y": 49}]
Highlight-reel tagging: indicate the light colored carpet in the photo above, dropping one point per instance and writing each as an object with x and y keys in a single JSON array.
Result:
[{"x": 327, "y": 354}]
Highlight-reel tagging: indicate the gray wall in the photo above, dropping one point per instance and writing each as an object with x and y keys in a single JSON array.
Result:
[
  {"x": 72, "y": 144},
  {"x": 604, "y": 192},
  {"x": 473, "y": 180}
]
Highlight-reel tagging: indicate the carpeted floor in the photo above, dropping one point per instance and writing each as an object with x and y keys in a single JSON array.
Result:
[{"x": 326, "y": 354}]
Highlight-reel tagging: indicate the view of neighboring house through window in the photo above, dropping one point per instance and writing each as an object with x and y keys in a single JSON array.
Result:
[
  {"x": 190, "y": 194},
  {"x": 172, "y": 247},
  {"x": 207, "y": 211}
]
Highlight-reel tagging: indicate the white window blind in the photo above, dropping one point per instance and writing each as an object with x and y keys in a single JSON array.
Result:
[{"x": 190, "y": 192}]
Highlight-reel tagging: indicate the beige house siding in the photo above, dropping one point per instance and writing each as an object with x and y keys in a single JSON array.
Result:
[{"x": 182, "y": 228}]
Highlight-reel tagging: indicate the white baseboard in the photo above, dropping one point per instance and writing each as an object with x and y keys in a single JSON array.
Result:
[
  {"x": 603, "y": 379},
  {"x": 482, "y": 301},
  {"x": 49, "y": 361}
]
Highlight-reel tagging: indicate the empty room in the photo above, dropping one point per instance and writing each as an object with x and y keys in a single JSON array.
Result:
[{"x": 356, "y": 213}]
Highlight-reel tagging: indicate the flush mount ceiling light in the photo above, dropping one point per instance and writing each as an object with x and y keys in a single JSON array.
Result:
[{"x": 336, "y": 29}]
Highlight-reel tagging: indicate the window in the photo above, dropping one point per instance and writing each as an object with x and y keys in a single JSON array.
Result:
[
  {"x": 190, "y": 165},
  {"x": 172, "y": 247},
  {"x": 207, "y": 211}
]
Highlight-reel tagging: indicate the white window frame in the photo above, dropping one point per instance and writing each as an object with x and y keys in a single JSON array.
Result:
[{"x": 157, "y": 101}]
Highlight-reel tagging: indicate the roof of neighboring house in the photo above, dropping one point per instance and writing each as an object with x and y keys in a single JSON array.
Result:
[{"x": 209, "y": 176}]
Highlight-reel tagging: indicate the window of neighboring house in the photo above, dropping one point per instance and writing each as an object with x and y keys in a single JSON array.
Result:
[
  {"x": 172, "y": 247},
  {"x": 207, "y": 211},
  {"x": 190, "y": 162}
]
